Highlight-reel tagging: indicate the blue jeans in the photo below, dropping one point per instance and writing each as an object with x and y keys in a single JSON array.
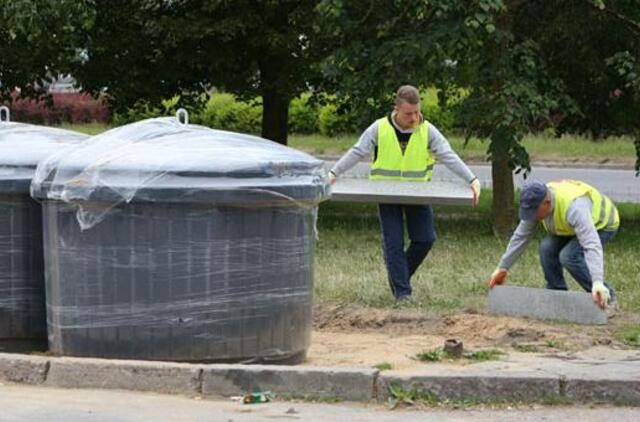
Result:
[
  {"x": 402, "y": 264},
  {"x": 558, "y": 252}
]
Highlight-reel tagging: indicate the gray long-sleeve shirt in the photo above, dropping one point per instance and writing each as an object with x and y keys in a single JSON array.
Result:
[
  {"x": 438, "y": 145},
  {"x": 578, "y": 217}
]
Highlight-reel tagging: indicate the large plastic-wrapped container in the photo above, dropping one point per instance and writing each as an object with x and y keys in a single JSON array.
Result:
[
  {"x": 171, "y": 241},
  {"x": 22, "y": 303}
]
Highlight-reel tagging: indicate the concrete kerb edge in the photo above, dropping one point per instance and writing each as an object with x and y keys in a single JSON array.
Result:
[
  {"x": 213, "y": 380},
  {"x": 311, "y": 383},
  {"x": 512, "y": 388}
]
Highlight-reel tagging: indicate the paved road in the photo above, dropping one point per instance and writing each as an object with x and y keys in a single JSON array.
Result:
[
  {"x": 619, "y": 184},
  {"x": 28, "y": 403}
]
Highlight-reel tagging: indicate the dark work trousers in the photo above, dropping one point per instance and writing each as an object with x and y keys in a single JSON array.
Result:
[
  {"x": 402, "y": 264},
  {"x": 557, "y": 252}
]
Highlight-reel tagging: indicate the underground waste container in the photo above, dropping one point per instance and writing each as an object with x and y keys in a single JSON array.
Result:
[
  {"x": 22, "y": 302},
  {"x": 170, "y": 241}
]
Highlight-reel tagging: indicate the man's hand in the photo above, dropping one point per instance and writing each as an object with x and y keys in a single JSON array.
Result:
[
  {"x": 600, "y": 294},
  {"x": 475, "y": 188},
  {"x": 498, "y": 277},
  {"x": 331, "y": 178}
]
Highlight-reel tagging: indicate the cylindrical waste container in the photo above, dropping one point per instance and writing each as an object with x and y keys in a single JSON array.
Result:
[
  {"x": 171, "y": 241},
  {"x": 22, "y": 302}
]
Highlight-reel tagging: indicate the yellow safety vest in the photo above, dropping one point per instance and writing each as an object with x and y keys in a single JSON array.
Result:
[
  {"x": 416, "y": 164},
  {"x": 603, "y": 213}
]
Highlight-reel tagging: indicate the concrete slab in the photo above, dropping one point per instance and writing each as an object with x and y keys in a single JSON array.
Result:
[
  {"x": 300, "y": 382},
  {"x": 23, "y": 369},
  {"x": 160, "y": 377},
  {"x": 546, "y": 304},
  {"x": 389, "y": 192}
]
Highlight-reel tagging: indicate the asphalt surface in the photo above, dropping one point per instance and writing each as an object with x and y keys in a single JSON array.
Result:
[{"x": 28, "y": 403}]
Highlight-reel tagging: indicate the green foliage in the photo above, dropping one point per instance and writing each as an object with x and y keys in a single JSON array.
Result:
[
  {"x": 224, "y": 111},
  {"x": 334, "y": 120},
  {"x": 144, "y": 110},
  {"x": 39, "y": 41},
  {"x": 483, "y": 355},
  {"x": 442, "y": 118},
  {"x": 303, "y": 115},
  {"x": 630, "y": 335},
  {"x": 526, "y": 348},
  {"x": 398, "y": 396},
  {"x": 383, "y": 366},
  {"x": 146, "y": 51},
  {"x": 437, "y": 355},
  {"x": 430, "y": 355}
]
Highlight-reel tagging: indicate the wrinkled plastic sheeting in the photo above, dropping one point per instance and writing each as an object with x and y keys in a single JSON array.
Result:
[
  {"x": 22, "y": 310},
  {"x": 22, "y": 146},
  {"x": 164, "y": 160},
  {"x": 186, "y": 282}
]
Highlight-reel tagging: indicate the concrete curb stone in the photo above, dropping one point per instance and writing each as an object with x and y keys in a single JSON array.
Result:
[
  {"x": 23, "y": 368},
  {"x": 314, "y": 383},
  {"x": 619, "y": 392},
  {"x": 584, "y": 381},
  {"x": 488, "y": 387},
  {"x": 160, "y": 377}
]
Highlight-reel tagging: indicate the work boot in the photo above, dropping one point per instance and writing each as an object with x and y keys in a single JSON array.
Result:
[{"x": 406, "y": 302}]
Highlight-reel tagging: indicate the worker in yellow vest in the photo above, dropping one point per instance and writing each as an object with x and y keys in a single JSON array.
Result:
[
  {"x": 579, "y": 220},
  {"x": 404, "y": 147}
]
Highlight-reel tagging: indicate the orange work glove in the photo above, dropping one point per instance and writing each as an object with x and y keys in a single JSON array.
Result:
[{"x": 498, "y": 277}]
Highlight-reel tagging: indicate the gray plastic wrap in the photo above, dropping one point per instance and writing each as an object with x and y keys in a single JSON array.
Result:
[
  {"x": 204, "y": 252},
  {"x": 23, "y": 146},
  {"x": 164, "y": 160},
  {"x": 22, "y": 302}
]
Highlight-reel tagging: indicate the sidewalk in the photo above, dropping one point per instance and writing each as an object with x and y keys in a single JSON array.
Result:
[{"x": 576, "y": 378}]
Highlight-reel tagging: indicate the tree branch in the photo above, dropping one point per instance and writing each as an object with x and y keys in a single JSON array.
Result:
[{"x": 631, "y": 24}]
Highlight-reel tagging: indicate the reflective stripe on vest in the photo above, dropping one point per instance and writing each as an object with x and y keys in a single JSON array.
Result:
[
  {"x": 416, "y": 164},
  {"x": 603, "y": 213}
]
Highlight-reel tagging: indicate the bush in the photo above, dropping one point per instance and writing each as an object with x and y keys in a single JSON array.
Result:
[
  {"x": 303, "y": 117},
  {"x": 332, "y": 121},
  {"x": 224, "y": 111},
  {"x": 143, "y": 110},
  {"x": 65, "y": 108},
  {"x": 442, "y": 118}
]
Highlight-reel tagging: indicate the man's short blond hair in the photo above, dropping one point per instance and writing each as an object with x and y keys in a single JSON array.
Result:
[{"x": 407, "y": 94}]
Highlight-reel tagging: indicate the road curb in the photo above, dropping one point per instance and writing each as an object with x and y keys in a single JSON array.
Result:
[
  {"x": 351, "y": 384},
  {"x": 212, "y": 380},
  {"x": 517, "y": 387},
  {"x": 317, "y": 383}
]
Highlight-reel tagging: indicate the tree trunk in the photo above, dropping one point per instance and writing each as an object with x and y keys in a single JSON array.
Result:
[
  {"x": 503, "y": 207},
  {"x": 275, "y": 115}
]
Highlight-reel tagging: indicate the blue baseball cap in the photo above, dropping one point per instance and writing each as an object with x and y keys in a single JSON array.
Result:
[{"x": 531, "y": 196}]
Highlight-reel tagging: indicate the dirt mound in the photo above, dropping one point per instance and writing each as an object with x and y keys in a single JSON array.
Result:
[
  {"x": 352, "y": 317},
  {"x": 353, "y": 335}
]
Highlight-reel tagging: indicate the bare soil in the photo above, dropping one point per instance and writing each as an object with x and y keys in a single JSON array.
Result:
[{"x": 355, "y": 336}]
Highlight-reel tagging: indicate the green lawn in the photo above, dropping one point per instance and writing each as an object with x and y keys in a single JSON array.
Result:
[
  {"x": 349, "y": 266},
  {"x": 568, "y": 149}
]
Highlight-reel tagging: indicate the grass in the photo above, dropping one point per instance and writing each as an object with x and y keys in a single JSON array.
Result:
[
  {"x": 525, "y": 348},
  {"x": 438, "y": 355},
  {"x": 349, "y": 267},
  {"x": 568, "y": 148},
  {"x": 383, "y": 366},
  {"x": 88, "y": 128},
  {"x": 630, "y": 335}
]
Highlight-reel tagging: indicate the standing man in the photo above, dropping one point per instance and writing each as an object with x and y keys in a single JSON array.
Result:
[
  {"x": 403, "y": 146},
  {"x": 579, "y": 220}
]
